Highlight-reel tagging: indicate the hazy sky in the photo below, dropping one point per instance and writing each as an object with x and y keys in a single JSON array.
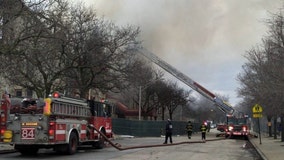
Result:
[{"x": 204, "y": 39}]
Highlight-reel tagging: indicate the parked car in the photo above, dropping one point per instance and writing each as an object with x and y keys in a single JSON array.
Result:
[
  {"x": 213, "y": 125},
  {"x": 221, "y": 127}
]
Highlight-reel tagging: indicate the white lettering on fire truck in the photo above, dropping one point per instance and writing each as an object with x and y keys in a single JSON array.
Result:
[{"x": 29, "y": 124}]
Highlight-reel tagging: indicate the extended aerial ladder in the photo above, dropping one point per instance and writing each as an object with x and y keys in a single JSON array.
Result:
[{"x": 222, "y": 105}]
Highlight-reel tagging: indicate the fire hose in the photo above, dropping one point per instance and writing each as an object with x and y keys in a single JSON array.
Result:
[{"x": 119, "y": 147}]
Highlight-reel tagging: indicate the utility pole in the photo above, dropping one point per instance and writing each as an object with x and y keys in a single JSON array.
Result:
[{"x": 140, "y": 96}]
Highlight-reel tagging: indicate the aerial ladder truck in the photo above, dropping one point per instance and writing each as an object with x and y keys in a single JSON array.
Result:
[
  {"x": 222, "y": 105},
  {"x": 236, "y": 125}
]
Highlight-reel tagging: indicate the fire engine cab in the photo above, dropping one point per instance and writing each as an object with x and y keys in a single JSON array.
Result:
[
  {"x": 237, "y": 126},
  {"x": 56, "y": 122}
]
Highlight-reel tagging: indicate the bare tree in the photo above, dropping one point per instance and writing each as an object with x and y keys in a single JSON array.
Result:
[
  {"x": 170, "y": 96},
  {"x": 262, "y": 79},
  {"x": 32, "y": 57},
  {"x": 99, "y": 51},
  {"x": 141, "y": 79},
  {"x": 58, "y": 48}
]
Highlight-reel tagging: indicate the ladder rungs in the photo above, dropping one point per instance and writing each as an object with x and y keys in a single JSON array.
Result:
[{"x": 67, "y": 109}]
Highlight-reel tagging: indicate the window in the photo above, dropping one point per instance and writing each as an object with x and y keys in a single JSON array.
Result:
[{"x": 19, "y": 93}]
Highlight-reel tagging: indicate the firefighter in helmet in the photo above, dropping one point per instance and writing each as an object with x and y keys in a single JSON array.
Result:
[
  {"x": 203, "y": 130},
  {"x": 189, "y": 128},
  {"x": 169, "y": 130}
]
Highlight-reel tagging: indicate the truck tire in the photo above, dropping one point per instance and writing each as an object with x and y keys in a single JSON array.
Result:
[
  {"x": 101, "y": 143},
  {"x": 73, "y": 144}
]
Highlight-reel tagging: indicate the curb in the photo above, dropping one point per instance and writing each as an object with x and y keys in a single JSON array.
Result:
[
  {"x": 258, "y": 150},
  {"x": 7, "y": 151}
]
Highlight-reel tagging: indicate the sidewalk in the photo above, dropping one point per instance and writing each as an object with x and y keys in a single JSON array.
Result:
[{"x": 270, "y": 148}]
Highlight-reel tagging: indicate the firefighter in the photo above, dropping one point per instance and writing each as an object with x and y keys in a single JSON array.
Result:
[
  {"x": 169, "y": 131},
  {"x": 92, "y": 106},
  {"x": 189, "y": 128},
  {"x": 208, "y": 126},
  {"x": 203, "y": 130}
]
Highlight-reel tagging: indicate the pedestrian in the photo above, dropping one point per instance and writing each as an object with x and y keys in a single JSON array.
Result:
[
  {"x": 169, "y": 131},
  {"x": 208, "y": 126},
  {"x": 189, "y": 128},
  {"x": 203, "y": 129},
  {"x": 91, "y": 103},
  {"x": 279, "y": 129}
]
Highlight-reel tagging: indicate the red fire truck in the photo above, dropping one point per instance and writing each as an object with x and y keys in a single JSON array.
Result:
[
  {"x": 237, "y": 126},
  {"x": 56, "y": 122},
  {"x": 4, "y": 113}
]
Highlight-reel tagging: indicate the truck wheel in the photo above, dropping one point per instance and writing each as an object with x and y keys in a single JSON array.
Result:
[
  {"x": 73, "y": 144},
  {"x": 101, "y": 143}
]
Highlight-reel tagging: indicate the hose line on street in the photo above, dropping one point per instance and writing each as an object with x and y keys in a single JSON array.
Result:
[{"x": 119, "y": 147}]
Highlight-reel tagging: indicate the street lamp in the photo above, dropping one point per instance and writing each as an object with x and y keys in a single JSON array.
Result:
[{"x": 140, "y": 90}]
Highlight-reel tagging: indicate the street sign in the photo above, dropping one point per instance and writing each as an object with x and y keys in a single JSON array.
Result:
[
  {"x": 257, "y": 115},
  {"x": 256, "y": 109}
]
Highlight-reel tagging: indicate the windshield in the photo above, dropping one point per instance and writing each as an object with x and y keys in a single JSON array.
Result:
[
  {"x": 100, "y": 109},
  {"x": 236, "y": 121}
]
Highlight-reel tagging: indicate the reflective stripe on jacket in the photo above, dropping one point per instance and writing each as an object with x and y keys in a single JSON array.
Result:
[{"x": 203, "y": 128}]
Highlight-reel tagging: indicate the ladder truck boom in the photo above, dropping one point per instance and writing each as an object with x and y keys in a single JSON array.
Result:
[{"x": 223, "y": 106}]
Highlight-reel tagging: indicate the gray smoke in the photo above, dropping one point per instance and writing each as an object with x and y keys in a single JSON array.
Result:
[{"x": 205, "y": 39}]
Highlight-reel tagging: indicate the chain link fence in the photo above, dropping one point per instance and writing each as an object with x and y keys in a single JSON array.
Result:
[{"x": 143, "y": 128}]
